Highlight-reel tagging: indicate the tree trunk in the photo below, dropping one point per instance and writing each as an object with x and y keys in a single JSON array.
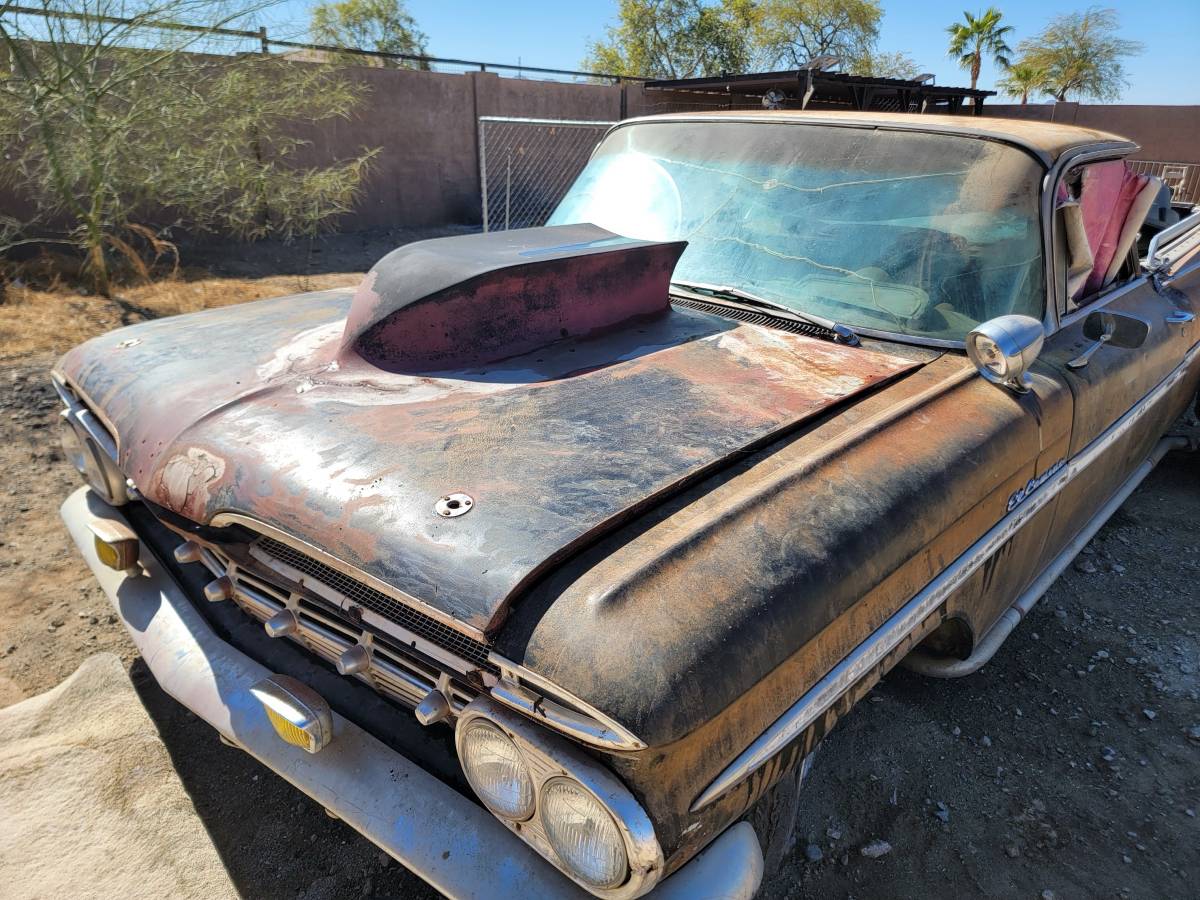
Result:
[
  {"x": 976, "y": 64},
  {"x": 97, "y": 265},
  {"x": 1024, "y": 97}
]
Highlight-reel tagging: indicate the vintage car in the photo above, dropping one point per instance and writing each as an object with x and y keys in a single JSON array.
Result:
[{"x": 546, "y": 557}]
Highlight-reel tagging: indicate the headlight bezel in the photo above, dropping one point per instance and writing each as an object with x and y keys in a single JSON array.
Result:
[
  {"x": 549, "y": 757},
  {"x": 98, "y": 451}
]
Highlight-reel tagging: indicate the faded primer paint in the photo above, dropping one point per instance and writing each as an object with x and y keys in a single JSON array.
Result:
[{"x": 259, "y": 410}]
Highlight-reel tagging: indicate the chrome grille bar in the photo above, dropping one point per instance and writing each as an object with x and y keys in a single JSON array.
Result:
[
  {"x": 409, "y": 653},
  {"x": 392, "y": 672}
]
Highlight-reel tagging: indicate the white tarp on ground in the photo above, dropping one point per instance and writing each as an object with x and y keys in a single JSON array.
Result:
[{"x": 90, "y": 805}]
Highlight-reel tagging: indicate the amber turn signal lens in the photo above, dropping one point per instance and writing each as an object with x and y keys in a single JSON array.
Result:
[
  {"x": 299, "y": 715},
  {"x": 116, "y": 545}
]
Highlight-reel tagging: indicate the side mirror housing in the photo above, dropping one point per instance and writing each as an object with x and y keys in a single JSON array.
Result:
[
  {"x": 1126, "y": 332},
  {"x": 1004, "y": 348}
]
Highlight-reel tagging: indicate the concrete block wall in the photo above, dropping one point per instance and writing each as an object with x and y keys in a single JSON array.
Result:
[
  {"x": 425, "y": 124},
  {"x": 1165, "y": 133}
]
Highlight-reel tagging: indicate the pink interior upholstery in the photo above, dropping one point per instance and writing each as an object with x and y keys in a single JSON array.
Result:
[{"x": 1107, "y": 197}]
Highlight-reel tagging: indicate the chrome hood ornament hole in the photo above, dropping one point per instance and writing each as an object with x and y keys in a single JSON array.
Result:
[{"x": 453, "y": 505}]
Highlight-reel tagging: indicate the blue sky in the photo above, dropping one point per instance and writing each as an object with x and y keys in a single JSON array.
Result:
[{"x": 557, "y": 34}]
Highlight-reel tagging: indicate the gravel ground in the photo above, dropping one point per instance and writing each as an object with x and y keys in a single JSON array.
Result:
[{"x": 1068, "y": 768}]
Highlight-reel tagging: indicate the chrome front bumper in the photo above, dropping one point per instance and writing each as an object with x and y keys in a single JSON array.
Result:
[{"x": 460, "y": 849}]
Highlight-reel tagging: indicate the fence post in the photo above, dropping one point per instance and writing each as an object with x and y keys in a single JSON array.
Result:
[
  {"x": 263, "y": 42},
  {"x": 482, "y": 127}
]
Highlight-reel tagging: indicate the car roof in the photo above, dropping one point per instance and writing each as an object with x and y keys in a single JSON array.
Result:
[{"x": 1045, "y": 140}]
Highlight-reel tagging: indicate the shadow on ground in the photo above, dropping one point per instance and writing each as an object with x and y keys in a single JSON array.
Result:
[{"x": 275, "y": 842}]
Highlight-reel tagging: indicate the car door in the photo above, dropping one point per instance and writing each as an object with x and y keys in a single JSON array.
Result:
[{"x": 1113, "y": 381}]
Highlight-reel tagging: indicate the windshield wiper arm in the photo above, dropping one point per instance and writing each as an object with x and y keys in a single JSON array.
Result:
[{"x": 842, "y": 334}]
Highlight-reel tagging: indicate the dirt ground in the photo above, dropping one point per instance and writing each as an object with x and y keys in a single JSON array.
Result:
[{"x": 1068, "y": 768}]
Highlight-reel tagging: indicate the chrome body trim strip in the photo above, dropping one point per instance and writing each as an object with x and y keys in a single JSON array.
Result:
[
  {"x": 942, "y": 667},
  {"x": 805, "y": 711},
  {"x": 1186, "y": 232},
  {"x": 443, "y": 837},
  {"x": 569, "y": 715}
]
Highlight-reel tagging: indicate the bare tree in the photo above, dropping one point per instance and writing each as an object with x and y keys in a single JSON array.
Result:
[
  {"x": 384, "y": 26},
  {"x": 792, "y": 33},
  {"x": 886, "y": 64},
  {"x": 110, "y": 118},
  {"x": 672, "y": 39}
]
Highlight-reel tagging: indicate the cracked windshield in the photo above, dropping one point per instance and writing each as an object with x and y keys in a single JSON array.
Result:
[{"x": 917, "y": 234}]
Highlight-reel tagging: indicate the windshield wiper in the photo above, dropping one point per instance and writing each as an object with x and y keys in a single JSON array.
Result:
[{"x": 842, "y": 334}]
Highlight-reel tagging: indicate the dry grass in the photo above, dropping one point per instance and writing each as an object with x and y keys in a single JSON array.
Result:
[{"x": 55, "y": 318}]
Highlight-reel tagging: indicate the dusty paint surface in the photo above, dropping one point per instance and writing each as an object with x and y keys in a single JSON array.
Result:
[{"x": 254, "y": 409}]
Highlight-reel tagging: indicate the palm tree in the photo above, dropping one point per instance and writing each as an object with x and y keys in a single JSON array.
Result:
[
  {"x": 980, "y": 34},
  {"x": 1021, "y": 79}
]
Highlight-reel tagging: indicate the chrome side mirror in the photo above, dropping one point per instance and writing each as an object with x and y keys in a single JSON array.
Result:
[
  {"x": 1004, "y": 348},
  {"x": 1103, "y": 327}
]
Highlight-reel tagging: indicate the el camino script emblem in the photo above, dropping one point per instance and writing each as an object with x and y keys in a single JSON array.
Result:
[{"x": 1020, "y": 495}]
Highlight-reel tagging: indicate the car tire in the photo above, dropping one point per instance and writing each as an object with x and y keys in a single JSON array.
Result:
[{"x": 774, "y": 814}]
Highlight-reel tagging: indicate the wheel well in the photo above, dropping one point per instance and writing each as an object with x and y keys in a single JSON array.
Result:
[{"x": 954, "y": 637}]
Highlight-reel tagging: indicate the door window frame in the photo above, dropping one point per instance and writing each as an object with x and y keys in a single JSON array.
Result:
[{"x": 1057, "y": 314}]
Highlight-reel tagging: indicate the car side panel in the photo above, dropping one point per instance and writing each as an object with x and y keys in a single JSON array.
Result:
[
  {"x": 1114, "y": 381},
  {"x": 708, "y": 623}
]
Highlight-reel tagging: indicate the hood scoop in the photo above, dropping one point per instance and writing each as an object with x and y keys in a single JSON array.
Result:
[{"x": 457, "y": 302}]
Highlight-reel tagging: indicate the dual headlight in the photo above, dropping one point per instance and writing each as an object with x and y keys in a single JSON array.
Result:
[
  {"x": 91, "y": 450},
  {"x": 569, "y": 808}
]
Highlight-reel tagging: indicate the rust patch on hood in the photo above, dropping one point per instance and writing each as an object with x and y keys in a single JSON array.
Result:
[{"x": 182, "y": 483}]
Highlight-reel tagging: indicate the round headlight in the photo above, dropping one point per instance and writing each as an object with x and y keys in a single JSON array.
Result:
[
  {"x": 583, "y": 834},
  {"x": 494, "y": 768},
  {"x": 73, "y": 448},
  {"x": 81, "y": 456},
  {"x": 989, "y": 355}
]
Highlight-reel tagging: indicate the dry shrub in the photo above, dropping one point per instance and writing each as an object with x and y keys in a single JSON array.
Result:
[{"x": 40, "y": 315}]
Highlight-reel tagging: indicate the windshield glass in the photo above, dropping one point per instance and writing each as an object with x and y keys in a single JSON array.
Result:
[{"x": 919, "y": 234}]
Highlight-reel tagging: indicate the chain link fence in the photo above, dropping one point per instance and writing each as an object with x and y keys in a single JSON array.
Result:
[{"x": 526, "y": 166}]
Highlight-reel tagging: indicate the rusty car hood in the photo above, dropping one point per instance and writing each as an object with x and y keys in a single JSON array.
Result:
[{"x": 254, "y": 409}]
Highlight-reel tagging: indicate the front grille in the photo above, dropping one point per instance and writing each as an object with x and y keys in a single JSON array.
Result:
[
  {"x": 753, "y": 318},
  {"x": 394, "y": 671},
  {"x": 415, "y": 621}
]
